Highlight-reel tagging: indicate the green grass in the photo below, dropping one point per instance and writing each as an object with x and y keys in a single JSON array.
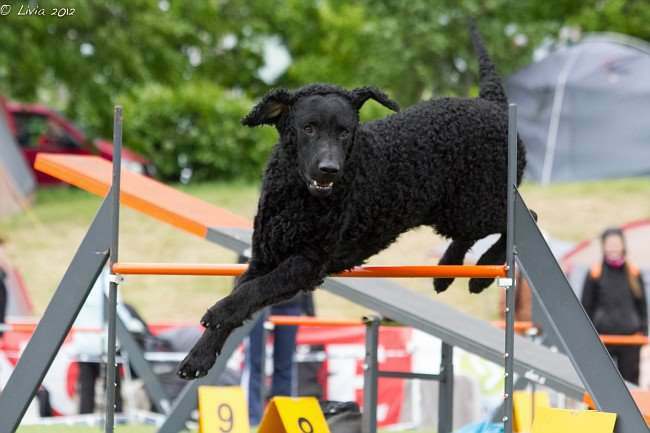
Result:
[
  {"x": 573, "y": 211},
  {"x": 42, "y": 242},
  {"x": 80, "y": 429}
]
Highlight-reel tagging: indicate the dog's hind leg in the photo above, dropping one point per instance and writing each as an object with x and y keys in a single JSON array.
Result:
[
  {"x": 495, "y": 255},
  {"x": 454, "y": 255}
]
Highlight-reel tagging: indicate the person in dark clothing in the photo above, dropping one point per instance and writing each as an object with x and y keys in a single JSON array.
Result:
[
  {"x": 284, "y": 346},
  {"x": 4, "y": 290},
  {"x": 3, "y": 297},
  {"x": 88, "y": 374},
  {"x": 614, "y": 298}
]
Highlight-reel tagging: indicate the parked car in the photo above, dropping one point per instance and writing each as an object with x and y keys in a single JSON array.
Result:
[{"x": 38, "y": 128}]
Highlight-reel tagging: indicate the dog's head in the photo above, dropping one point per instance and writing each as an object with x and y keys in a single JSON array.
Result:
[{"x": 321, "y": 120}]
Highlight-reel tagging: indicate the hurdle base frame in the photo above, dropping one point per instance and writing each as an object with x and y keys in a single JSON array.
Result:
[{"x": 372, "y": 373}]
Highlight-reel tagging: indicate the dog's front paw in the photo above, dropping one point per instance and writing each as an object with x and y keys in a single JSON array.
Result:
[
  {"x": 477, "y": 285},
  {"x": 217, "y": 315},
  {"x": 196, "y": 365},
  {"x": 201, "y": 358}
]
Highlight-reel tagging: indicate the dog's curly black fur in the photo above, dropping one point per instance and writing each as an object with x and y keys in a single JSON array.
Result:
[{"x": 441, "y": 163}]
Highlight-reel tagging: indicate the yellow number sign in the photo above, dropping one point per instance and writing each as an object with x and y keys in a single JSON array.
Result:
[
  {"x": 523, "y": 408},
  {"x": 222, "y": 409},
  {"x": 293, "y": 415},
  {"x": 548, "y": 420}
]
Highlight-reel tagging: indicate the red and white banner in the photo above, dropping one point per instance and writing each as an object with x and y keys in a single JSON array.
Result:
[{"x": 341, "y": 376}]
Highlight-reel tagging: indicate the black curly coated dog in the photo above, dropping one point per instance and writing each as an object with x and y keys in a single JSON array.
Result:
[{"x": 336, "y": 192}]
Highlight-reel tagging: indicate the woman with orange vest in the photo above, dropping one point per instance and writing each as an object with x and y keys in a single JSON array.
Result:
[{"x": 614, "y": 298}]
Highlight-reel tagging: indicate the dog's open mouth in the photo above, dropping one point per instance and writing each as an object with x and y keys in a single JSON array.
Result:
[{"x": 320, "y": 188}]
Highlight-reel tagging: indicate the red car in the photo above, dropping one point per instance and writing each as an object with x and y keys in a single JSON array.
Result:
[{"x": 40, "y": 129}]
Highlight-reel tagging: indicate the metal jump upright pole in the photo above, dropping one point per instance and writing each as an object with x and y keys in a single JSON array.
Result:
[
  {"x": 111, "y": 311},
  {"x": 510, "y": 285}
]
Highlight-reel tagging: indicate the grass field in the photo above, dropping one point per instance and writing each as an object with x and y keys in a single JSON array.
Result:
[
  {"x": 42, "y": 242},
  {"x": 78, "y": 429}
]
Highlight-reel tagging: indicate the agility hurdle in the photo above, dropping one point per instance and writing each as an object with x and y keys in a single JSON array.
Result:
[
  {"x": 234, "y": 270},
  {"x": 578, "y": 338}
]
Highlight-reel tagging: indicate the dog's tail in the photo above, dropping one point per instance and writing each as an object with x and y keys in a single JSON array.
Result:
[{"x": 489, "y": 81}]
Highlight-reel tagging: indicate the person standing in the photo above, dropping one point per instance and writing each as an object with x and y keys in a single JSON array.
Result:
[
  {"x": 523, "y": 300},
  {"x": 4, "y": 291},
  {"x": 613, "y": 296},
  {"x": 3, "y": 297}
]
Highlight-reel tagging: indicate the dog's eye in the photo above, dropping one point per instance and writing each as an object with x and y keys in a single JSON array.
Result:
[
  {"x": 344, "y": 133},
  {"x": 309, "y": 129}
]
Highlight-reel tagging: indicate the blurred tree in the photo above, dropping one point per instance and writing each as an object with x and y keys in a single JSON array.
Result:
[
  {"x": 630, "y": 17},
  {"x": 193, "y": 131},
  {"x": 81, "y": 63},
  {"x": 420, "y": 48},
  {"x": 412, "y": 49}
]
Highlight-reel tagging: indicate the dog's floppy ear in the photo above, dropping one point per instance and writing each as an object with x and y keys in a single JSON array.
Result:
[
  {"x": 362, "y": 94},
  {"x": 269, "y": 109}
]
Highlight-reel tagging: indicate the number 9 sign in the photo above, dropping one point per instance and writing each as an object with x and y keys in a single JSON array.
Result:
[
  {"x": 305, "y": 426},
  {"x": 224, "y": 413},
  {"x": 222, "y": 409},
  {"x": 293, "y": 415}
]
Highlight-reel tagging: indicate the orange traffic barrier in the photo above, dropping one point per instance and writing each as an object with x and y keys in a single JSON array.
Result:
[
  {"x": 311, "y": 321},
  {"x": 25, "y": 327},
  {"x": 608, "y": 340},
  {"x": 447, "y": 271},
  {"x": 520, "y": 326},
  {"x": 641, "y": 398},
  {"x": 624, "y": 340}
]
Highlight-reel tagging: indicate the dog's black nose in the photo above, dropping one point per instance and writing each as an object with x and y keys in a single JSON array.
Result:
[{"x": 328, "y": 167}]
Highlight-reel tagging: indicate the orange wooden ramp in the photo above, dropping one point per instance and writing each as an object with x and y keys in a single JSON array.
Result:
[{"x": 94, "y": 174}]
